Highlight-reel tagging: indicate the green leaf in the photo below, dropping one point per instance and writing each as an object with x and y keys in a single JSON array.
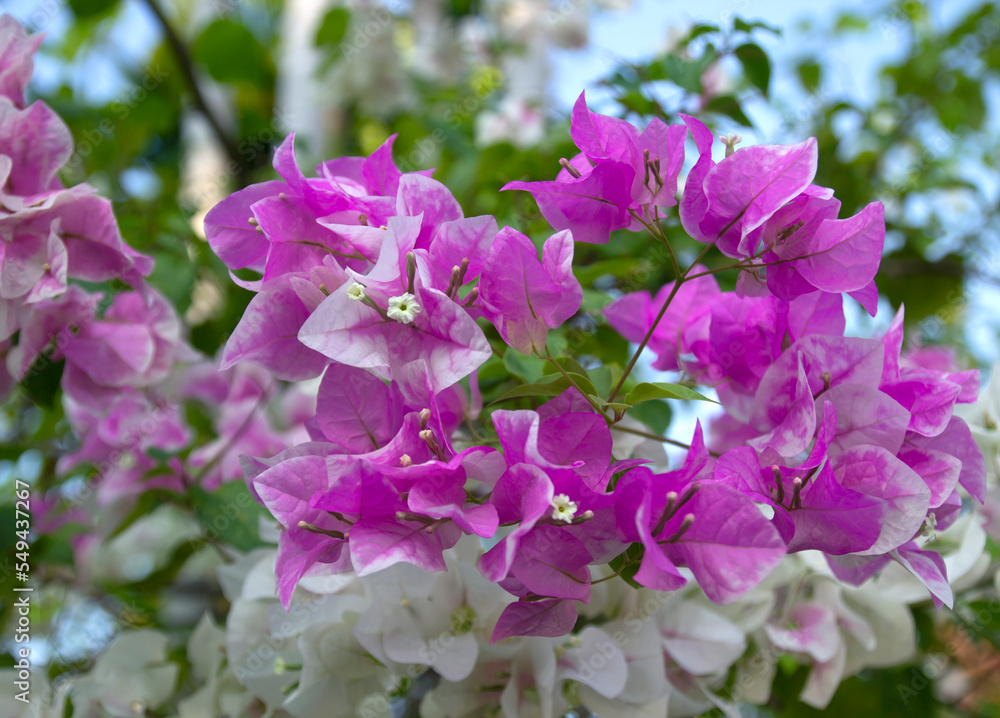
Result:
[
  {"x": 631, "y": 559},
  {"x": 613, "y": 405},
  {"x": 699, "y": 30},
  {"x": 174, "y": 275},
  {"x": 549, "y": 385},
  {"x": 331, "y": 32},
  {"x": 461, "y": 8},
  {"x": 158, "y": 455},
  {"x": 594, "y": 301},
  {"x": 728, "y": 105},
  {"x": 849, "y": 22},
  {"x": 583, "y": 383},
  {"x": 744, "y": 26},
  {"x": 8, "y": 514},
  {"x": 925, "y": 288},
  {"x": 654, "y": 414},
  {"x": 809, "y": 74},
  {"x": 637, "y": 103},
  {"x": 90, "y": 8},
  {"x": 526, "y": 367},
  {"x": 963, "y": 105},
  {"x": 618, "y": 266},
  {"x": 756, "y": 65},
  {"x": 144, "y": 505},
  {"x": 603, "y": 378},
  {"x": 568, "y": 364},
  {"x": 231, "y": 53},
  {"x": 648, "y": 391},
  {"x": 333, "y": 28},
  {"x": 686, "y": 74},
  {"x": 229, "y": 513},
  {"x": 572, "y": 367},
  {"x": 556, "y": 342},
  {"x": 42, "y": 381}
]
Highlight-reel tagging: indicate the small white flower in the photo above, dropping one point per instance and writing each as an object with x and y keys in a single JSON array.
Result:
[
  {"x": 127, "y": 460},
  {"x": 356, "y": 292},
  {"x": 563, "y": 509},
  {"x": 403, "y": 308}
]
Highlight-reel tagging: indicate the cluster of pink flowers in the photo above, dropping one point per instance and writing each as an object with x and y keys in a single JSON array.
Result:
[
  {"x": 51, "y": 233},
  {"x": 378, "y": 301},
  {"x": 376, "y": 280},
  {"x": 127, "y": 368}
]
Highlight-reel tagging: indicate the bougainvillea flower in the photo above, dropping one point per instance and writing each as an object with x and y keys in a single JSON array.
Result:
[
  {"x": 549, "y": 617},
  {"x": 135, "y": 343},
  {"x": 86, "y": 226},
  {"x": 267, "y": 333},
  {"x": 376, "y": 322},
  {"x": 683, "y": 520},
  {"x": 724, "y": 202},
  {"x": 16, "y": 64},
  {"x": 525, "y": 297},
  {"x": 758, "y": 204},
  {"x": 634, "y": 314},
  {"x": 38, "y": 142},
  {"x": 812, "y": 509},
  {"x": 619, "y": 173}
]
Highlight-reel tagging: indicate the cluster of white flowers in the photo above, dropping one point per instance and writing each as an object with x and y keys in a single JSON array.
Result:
[
  {"x": 983, "y": 419},
  {"x": 406, "y": 638}
]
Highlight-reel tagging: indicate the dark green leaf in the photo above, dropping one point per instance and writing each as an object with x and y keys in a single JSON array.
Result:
[
  {"x": 925, "y": 288},
  {"x": 617, "y": 266},
  {"x": 699, "y": 30},
  {"x": 654, "y": 414},
  {"x": 42, "y": 381},
  {"x": 231, "y": 53},
  {"x": 331, "y": 33},
  {"x": 90, "y": 8},
  {"x": 631, "y": 560},
  {"x": 333, "y": 28},
  {"x": 756, "y": 65},
  {"x": 144, "y": 505},
  {"x": 686, "y": 74},
  {"x": 568, "y": 364},
  {"x": 728, "y": 105},
  {"x": 526, "y": 367},
  {"x": 230, "y": 514},
  {"x": 548, "y": 386},
  {"x": 809, "y": 74},
  {"x": 603, "y": 378}
]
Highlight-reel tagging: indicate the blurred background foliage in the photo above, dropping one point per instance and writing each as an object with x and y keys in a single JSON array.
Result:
[{"x": 222, "y": 83}]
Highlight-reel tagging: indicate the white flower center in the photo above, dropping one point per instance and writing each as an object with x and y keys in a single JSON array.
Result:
[
  {"x": 403, "y": 308},
  {"x": 730, "y": 141},
  {"x": 563, "y": 509},
  {"x": 356, "y": 292}
]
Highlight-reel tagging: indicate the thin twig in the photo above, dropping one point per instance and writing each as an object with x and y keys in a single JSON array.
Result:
[
  {"x": 187, "y": 69},
  {"x": 649, "y": 334},
  {"x": 657, "y": 437},
  {"x": 237, "y": 435}
]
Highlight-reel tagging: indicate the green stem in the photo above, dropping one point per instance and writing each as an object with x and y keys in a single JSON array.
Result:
[
  {"x": 548, "y": 355},
  {"x": 678, "y": 283}
]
